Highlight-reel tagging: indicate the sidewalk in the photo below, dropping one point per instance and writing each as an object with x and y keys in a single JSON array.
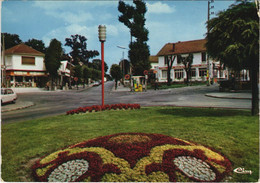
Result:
[{"x": 120, "y": 88}]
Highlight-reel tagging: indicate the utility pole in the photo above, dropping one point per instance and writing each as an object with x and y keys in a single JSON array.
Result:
[
  {"x": 208, "y": 64},
  {"x": 4, "y": 83}
]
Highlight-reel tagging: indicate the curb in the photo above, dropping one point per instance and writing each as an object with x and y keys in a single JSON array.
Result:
[
  {"x": 226, "y": 97},
  {"x": 18, "y": 108}
]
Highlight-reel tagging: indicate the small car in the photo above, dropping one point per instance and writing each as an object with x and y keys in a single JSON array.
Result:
[{"x": 8, "y": 96}]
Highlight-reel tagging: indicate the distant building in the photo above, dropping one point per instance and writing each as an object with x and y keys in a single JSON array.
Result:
[
  {"x": 199, "y": 66},
  {"x": 65, "y": 73},
  {"x": 24, "y": 66}
]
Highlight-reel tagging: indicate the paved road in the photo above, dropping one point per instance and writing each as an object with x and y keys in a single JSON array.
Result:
[{"x": 53, "y": 103}]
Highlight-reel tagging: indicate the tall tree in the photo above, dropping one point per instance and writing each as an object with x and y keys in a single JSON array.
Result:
[
  {"x": 97, "y": 64},
  {"x": 187, "y": 62},
  {"x": 79, "y": 52},
  {"x": 36, "y": 44},
  {"x": 87, "y": 74},
  {"x": 134, "y": 18},
  {"x": 116, "y": 73},
  {"x": 233, "y": 38},
  {"x": 52, "y": 59},
  {"x": 10, "y": 40},
  {"x": 169, "y": 60}
]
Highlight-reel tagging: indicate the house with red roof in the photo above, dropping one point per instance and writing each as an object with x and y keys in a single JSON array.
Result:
[
  {"x": 25, "y": 66},
  {"x": 199, "y": 71}
]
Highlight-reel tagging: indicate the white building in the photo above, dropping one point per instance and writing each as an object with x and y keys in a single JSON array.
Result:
[
  {"x": 64, "y": 73},
  {"x": 24, "y": 66},
  {"x": 199, "y": 66}
]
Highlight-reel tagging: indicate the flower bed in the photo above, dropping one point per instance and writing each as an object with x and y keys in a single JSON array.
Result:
[
  {"x": 128, "y": 157},
  {"x": 97, "y": 108}
]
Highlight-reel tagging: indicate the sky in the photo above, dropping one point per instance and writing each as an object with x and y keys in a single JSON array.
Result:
[{"x": 167, "y": 21}]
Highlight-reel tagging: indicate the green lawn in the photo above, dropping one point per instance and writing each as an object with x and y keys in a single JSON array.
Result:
[{"x": 233, "y": 133}]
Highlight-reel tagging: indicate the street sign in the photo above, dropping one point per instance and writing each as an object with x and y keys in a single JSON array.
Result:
[
  {"x": 76, "y": 79},
  {"x": 145, "y": 72},
  {"x": 127, "y": 76}
]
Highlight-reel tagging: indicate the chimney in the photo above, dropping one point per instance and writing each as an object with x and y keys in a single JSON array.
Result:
[{"x": 173, "y": 47}]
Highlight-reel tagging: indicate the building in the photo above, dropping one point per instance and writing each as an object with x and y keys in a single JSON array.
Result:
[
  {"x": 23, "y": 67},
  {"x": 64, "y": 72},
  {"x": 154, "y": 62},
  {"x": 199, "y": 66}
]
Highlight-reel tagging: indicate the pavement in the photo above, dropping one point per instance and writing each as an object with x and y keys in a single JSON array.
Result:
[{"x": 24, "y": 104}]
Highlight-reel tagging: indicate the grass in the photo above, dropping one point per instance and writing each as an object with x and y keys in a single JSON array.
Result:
[{"x": 233, "y": 133}]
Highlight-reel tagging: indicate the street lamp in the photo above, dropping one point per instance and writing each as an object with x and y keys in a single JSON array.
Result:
[{"x": 102, "y": 39}]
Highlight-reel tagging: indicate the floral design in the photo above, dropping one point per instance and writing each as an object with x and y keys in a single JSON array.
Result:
[
  {"x": 69, "y": 171},
  {"x": 97, "y": 108},
  {"x": 128, "y": 157}
]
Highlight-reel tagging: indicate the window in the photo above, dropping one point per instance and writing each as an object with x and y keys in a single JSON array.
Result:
[
  {"x": 203, "y": 57},
  {"x": 193, "y": 72},
  {"x": 164, "y": 74},
  {"x": 203, "y": 72},
  {"x": 28, "y": 60},
  {"x": 165, "y": 60},
  {"x": 178, "y": 73}
]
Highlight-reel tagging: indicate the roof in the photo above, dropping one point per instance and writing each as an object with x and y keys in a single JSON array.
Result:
[
  {"x": 153, "y": 59},
  {"x": 183, "y": 47},
  {"x": 23, "y": 49}
]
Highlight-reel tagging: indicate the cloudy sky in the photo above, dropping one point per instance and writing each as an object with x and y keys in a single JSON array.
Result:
[{"x": 167, "y": 21}]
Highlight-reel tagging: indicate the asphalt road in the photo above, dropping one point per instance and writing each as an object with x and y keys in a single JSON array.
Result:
[{"x": 54, "y": 103}]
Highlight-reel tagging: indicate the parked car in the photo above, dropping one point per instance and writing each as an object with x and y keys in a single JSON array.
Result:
[
  {"x": 8, "y": 96},
  {"x": 97, "y": 83}
]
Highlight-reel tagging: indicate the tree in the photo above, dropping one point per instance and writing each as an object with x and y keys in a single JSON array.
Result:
[
  {"x": 187, "y": 62},
  {"x": 79, "y": 51},
  {"x": 96, "y": 74},
  {"x": 169, "y": 60},
  {"x": 36, "y": 44},
  {"x": 10, "y": 40},
  {"x": 134, "y": 18},
  {"x": 233, "y": 39},
  {"x": 125, "y": 66},
  {"x": 87, "y": 74},
  {"x": 97, "y": 64},
  {"x": 52, "y": 59},
  {"x": 116, "y": 73}
]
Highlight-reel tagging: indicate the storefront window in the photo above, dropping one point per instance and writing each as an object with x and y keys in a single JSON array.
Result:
[
  {"x": 202, "y": 72},
  {"x": 178, "y": 73},
  {"x": 193, "y": 72}
]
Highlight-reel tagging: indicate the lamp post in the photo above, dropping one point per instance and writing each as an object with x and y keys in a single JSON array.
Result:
[{"x": 102, "y": 39}]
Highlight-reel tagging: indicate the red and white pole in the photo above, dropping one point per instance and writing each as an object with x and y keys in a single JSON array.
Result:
[
  {"x": 102, "y": 39},
  {"x": 103, "y": 73}
]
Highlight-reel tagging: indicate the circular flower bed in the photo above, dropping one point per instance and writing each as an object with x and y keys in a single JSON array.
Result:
[{"x": 129, "y": 157}]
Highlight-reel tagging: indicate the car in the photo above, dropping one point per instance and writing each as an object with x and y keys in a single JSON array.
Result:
[
  {"x": 97, "y": 83},
  {"x": 8, "y": 96}
]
